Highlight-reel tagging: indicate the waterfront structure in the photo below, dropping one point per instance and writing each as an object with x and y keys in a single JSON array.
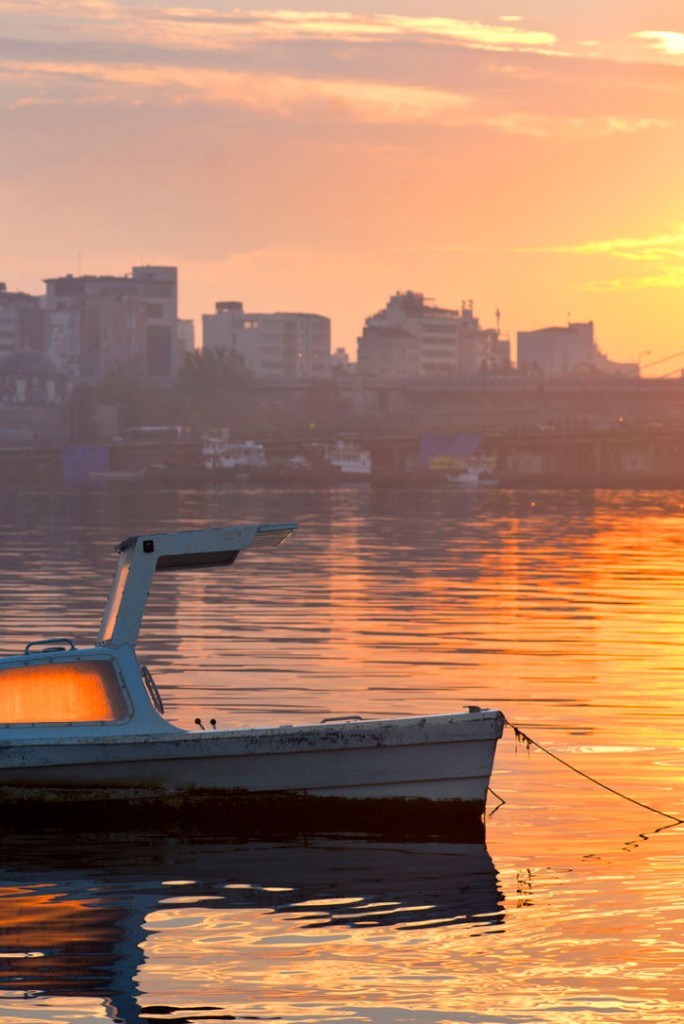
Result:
[
  {"x": 33, "y": 390},
  {"x": 33, "y": 395},
  {"x": 21, "y": 322},
  {"x": 566, "y": 351},
  {"x": 30, "y": 378},
  {"x": 411, "y": 339},
  {"x": 289, "y": 345},
  {"x": 95, "y": 324},
  {"x": 621, "y": 456}
]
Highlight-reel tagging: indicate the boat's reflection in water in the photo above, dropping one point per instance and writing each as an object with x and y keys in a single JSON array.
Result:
[{"x": 74, "y": 919}]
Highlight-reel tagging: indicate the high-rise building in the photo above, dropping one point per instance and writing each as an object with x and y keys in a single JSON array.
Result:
[
  {"x": 95, "y": 324},
  {"x": 288, "y": 345},
  {"x": 412, "y": 339},
  {"x": 157, "y": 288}
]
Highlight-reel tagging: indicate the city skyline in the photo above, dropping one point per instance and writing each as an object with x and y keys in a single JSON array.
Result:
[{"x": 323, "y": 157}]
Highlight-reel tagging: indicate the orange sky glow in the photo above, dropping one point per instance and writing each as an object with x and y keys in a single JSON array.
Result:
[{"x": 318, "y": 156}]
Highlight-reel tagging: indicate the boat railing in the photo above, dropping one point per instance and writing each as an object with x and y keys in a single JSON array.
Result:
[
  {"x": 152, "y": 689},
  {"x": 56, "y": 643}
]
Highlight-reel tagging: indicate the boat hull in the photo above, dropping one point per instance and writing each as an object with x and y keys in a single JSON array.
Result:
[{"x": 404, "y": 775}]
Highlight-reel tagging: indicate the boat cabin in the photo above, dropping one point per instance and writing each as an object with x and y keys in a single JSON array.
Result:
[
  {"x": 53, "y": 686},
  {"x": 59, "y": 690}
]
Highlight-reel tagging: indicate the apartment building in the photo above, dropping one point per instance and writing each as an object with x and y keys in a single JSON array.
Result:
[
  {"x": 566, "y": 351},
  {"x": 94, "y": 324},
  {"x": 411, "y": 339},
  {"x": 287, "y": 345},
  {"x": 21, "y": 322}
]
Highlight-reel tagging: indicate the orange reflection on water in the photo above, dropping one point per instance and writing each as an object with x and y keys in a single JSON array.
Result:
[
  {"x": 45, "y": 921},
  {"x": 567, "y": 613},
  {"x": 527, "y": 967}
]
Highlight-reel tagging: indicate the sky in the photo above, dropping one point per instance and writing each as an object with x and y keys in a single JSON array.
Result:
[{"x": 320, "y": 156}]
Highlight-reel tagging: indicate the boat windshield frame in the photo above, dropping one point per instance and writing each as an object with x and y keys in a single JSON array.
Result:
[
  {"x": 114, "y": 690},
  {"x": 142, "y": 556}
]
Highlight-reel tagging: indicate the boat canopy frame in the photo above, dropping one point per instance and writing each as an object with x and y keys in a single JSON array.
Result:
[{"x": 142, "y": 556}]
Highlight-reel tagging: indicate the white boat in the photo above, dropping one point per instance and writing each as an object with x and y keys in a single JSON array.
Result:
[
  {"x": 83, "y": 729},
  {"x": 349, "y": 458},
  {"x": 221, "y": 454},
  {"x": 478, "y": 471}
]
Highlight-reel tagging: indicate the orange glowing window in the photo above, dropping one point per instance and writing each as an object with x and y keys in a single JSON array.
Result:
[{"x": 82, "y": 691}]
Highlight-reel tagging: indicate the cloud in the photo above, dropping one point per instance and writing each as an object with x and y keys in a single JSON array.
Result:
[
  {"x": 566, "y": 127},
  {"x": 667, "y": 249},
  {"x": 289, "y": 64},
  {"x": 182, "y": 26},
  {"x": 322, "y": 68},
  {"x": 654, "y": 248},
  {"x": 671, "y": 43},
  {"x": 336, "y": 66},
  {"x": 75, "y": 10},
  {"x": 48, "y": 7},
  {"x": 299, "y": 98},
  {"x": 285, "y": 96},
  {"x": 212, "y": 28},
  {"x": 648, "y": 250},
  {"x": 672, "y": 277}
]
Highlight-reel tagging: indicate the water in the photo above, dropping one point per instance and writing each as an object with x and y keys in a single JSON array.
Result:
[{"x": 564, "y": 609}]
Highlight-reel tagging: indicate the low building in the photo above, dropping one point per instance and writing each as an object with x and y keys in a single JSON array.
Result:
[
  {"x": 566, "y": 351},
  {"x": 295, "y": 346},
  {"x": 411, "y": 339},
  {"x": 33, "y": 396}
]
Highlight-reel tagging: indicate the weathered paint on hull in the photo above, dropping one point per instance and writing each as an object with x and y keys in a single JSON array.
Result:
[
  {"x": 336, "y": 763},
  {"x": 442, "y": 772},
  {"x": 409, "y": 776}
]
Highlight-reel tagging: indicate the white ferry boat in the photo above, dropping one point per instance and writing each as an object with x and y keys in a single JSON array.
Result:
[{"x": 220, "y": 454}]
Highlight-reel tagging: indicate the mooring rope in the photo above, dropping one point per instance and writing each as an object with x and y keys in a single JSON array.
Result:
[{"x": 522, "y": 737}]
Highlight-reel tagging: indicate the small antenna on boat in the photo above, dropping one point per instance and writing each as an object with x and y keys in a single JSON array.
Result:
[{"x": 198, "y": 721}]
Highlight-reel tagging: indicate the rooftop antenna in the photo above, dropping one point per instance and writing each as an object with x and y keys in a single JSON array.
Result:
[{"x": 498, "y": 320}]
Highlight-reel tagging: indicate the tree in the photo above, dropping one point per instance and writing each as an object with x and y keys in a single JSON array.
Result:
[
  {"x": 214, "y": 386},
  {"x": 321, "y": 410}
]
